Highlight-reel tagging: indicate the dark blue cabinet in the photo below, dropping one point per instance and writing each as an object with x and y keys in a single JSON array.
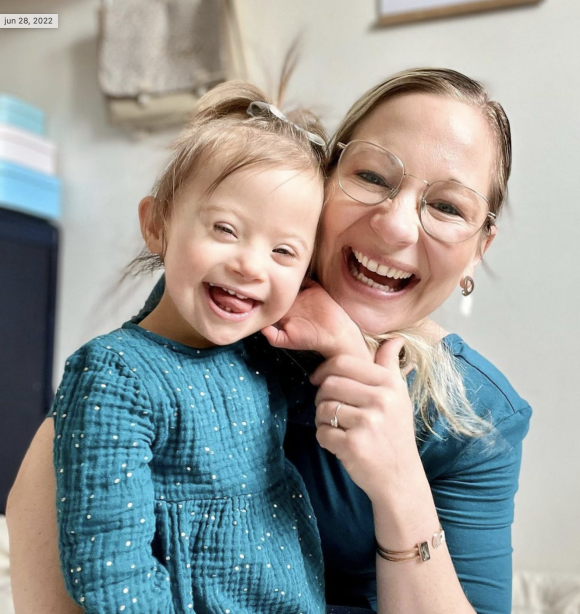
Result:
[{"x": 28, "y": 273}]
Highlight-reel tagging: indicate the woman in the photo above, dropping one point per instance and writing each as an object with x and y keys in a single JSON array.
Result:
[{"x": 417, "y": 176}]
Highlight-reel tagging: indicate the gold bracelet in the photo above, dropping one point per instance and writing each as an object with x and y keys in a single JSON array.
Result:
[{"x": 419, "y": 551}]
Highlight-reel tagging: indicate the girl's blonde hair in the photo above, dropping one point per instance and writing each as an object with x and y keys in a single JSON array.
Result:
[
  {"x": 222, "y": 128},
  {"x": 437, "y": 389}
]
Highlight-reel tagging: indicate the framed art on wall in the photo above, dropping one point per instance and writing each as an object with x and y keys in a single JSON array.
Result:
[{"x": 392, "y": 12}]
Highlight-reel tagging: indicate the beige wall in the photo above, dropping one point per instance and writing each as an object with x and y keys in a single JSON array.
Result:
[{"x": 525, "y": 314}]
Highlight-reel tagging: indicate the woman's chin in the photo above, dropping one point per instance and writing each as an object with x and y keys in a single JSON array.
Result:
[{"x": 373, "y": 321}]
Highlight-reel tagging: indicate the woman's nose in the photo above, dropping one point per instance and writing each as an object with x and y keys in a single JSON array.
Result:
[{"x": 397, "y": 220}]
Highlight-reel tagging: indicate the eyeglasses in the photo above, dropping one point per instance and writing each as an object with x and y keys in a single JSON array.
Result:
[{"x": 448, "y": 210}]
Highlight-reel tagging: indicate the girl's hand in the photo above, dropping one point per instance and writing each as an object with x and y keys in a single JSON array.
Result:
[
  {"x": 375, "y": 438},
  {"x": 317, "y": 323}
]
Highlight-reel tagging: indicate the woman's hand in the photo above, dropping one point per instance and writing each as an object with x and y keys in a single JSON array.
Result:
[
  {"x": 375, "y": 438},
  {"x": 317, "y": 323}
]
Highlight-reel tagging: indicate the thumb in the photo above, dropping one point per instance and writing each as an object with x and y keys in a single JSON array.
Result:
[
  {"x": 276, "y": 337},
  {"x": 388, "y": 354}
]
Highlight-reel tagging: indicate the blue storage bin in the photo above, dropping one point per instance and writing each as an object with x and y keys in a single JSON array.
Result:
[
  {"x": 28, "y": 191},
  {"x": 21, "y": 114}
]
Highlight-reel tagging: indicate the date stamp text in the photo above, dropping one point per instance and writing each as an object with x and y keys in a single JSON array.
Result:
[{"x": 28, "y": 20}]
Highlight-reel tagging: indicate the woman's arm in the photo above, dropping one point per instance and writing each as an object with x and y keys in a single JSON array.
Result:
[
  {"x": 375, "y": 442},
  {"x": 37, "y": 582},
  {"x": 475, "y": 501}
]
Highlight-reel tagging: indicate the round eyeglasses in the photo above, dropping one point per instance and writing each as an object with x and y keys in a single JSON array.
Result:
[{"x": 448, "y": 210}]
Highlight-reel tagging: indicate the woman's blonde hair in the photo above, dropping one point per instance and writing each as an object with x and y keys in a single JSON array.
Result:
[
  {"x": 222, "y": 128},
  {"x": 437, "y": 389}
]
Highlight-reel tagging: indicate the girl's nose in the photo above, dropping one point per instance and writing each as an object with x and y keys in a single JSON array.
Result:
[{"x": 249, "y": 265}]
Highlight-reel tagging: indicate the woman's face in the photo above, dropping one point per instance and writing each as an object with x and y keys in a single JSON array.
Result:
[{"x": 437, "y": 138}]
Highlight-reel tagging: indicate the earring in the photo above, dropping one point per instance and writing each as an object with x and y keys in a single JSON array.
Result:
[{"x": 468, "y": 285}]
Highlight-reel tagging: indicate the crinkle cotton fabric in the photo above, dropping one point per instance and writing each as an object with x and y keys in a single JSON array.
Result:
[{"x": 173, "y": 493}]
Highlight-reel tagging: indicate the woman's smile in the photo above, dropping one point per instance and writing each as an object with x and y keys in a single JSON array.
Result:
[{"x": 378, "y": 274}]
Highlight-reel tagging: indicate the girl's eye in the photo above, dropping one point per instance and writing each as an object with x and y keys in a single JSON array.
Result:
[
  {"x": 225, "y": 228},
  {"x": 285, "y": 251}
]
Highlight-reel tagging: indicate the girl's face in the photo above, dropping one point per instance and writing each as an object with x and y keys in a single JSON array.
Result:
[
  {"x": 437, "y": 138},
  {"x": 234, "y": 260}
]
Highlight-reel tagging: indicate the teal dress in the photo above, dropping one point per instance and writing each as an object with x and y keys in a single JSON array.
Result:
[{"x": 173, "y": 492}]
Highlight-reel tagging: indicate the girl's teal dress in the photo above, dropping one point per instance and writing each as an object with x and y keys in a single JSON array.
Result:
[{"x": 173, "y": 492}]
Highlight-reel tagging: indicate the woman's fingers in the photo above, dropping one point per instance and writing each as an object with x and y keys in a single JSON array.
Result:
[
  {"x": 347, "y": 390},
  {"x": 386, "y": 364},
  {"x": 276, "y": 336},
  {"x": 350, "y": 367},
  {"x": 388, "y": 354},
  {"x": 308, "y": 282},
  {"x": 332, "y": 439},
  {"x": 347, "y": 416}
]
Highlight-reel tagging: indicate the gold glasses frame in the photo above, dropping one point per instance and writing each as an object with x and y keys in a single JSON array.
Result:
[{"x": 490, "y": 218}]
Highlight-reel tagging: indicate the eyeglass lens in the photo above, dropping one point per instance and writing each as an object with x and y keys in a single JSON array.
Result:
[{"x": 449, "y": 211}]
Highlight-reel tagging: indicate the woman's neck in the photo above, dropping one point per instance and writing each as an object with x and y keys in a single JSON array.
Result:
[{"x": 432, "y": 331}]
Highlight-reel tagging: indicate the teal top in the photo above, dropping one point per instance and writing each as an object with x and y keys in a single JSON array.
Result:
[
  {"x": 473, "y": 482},
  {"x": 173, "y": 493}
]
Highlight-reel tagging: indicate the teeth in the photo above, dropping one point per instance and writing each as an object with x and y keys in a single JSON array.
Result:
[
  {"x": 370, "y": 282},
  {"x": 373, "y": 265},
  {"x": 230, "y": 291},
  {"x": 381, "y": 269}
]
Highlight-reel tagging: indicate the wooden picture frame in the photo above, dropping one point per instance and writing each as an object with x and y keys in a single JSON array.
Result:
[{"x": 394, "y": 12}]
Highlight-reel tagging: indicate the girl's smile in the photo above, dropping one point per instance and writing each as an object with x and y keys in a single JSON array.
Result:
[
  {"x": 234, "y": 256},
  {"x": 229, "y": 304}
]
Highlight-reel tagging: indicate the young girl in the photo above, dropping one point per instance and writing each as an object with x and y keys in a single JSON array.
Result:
[{"x": 173, "y": 491}]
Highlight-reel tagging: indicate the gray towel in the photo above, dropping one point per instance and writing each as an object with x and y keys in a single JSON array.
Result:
[{"x": 160, "y": 46}]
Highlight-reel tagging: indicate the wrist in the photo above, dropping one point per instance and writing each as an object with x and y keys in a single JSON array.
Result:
[
  {"x": 421, "y": 550},
  {"x": 405, "y": 513},
  {"x": 351, "y": 343}
]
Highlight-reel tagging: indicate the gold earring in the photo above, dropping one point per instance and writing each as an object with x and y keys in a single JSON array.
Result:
[{"x": 468, "y": 285}]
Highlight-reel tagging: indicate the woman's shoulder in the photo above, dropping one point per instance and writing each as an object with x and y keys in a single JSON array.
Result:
[
  {"x": 495, "y": 400},
  {"x": 487, "y": 388}
]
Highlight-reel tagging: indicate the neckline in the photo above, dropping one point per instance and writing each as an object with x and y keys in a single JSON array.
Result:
[{"x": 181, "y": 347}]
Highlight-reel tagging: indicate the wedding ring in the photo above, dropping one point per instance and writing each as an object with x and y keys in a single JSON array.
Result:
[{"x": 334, "y": 421}]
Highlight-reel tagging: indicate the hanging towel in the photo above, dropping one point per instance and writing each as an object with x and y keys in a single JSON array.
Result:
[{"x": 159, "y": 47}]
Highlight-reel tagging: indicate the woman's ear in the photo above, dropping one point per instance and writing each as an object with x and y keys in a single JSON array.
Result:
[
  {"x": 483, "y": 246},
  {"x": 152, "y": 229},
  {"x": 488, "y": 239}
]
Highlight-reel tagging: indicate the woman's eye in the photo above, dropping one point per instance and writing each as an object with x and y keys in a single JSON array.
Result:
[
  {"x": 285, "y": 251},
  {"x": 373, "y": 178},
  {"x": 225, "y": 228},
  {"x": 446, "y": 208}
]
